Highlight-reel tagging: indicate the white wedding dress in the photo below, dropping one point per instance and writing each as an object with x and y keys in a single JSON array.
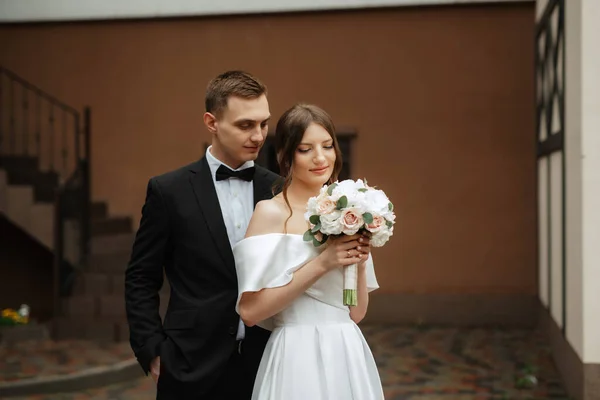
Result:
[{"x": 315, "y": 352}]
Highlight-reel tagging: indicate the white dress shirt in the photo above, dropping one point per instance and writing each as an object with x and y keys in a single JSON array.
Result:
[{"x": 236, "y": 199}]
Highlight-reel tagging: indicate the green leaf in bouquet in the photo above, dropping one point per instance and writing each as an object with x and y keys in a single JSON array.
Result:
[
  {"x": 342, "y": 202},
  {"x": 363, "y": 190},
  {"x": 368, "y": 217},
  {"x": 308, "y": 236},
  {"x": 390, "y": 206},
  {"x": 331, "y": 188},
  {"x": 389, "y": 224},
  {"x": 315, "y": 219},
  {"x": 316, "y": 228}
]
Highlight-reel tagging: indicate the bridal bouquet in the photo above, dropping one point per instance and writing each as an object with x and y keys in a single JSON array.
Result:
[{"x": 346, "y": 208}]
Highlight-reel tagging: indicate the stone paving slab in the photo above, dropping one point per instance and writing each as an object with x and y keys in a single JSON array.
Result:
[
  {"x": 414, "y": 363},
  {"x": 31, "y": 359}
]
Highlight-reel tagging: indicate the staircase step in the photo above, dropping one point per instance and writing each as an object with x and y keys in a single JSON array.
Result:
[
  {"x": 109, "y": 263},
  {"x": 112, "y": 306},
  {"x": 71, "y": 243},
  {"x": 111, "y": 226},
  {"x": 92, "y": 284},
  {"x": 42, "y": 223},
  {"x": 110, "y": 325},
  {"x": 19, "y": 200},
  {"x": 68, "y": 328},
  {"x": 21, "y": 169},
  {"x": 81, "y": 306},
  {"x": 99, "y": 210},
  {"x": 45, "y": 184},
  {"x": 108, "y": 244}
]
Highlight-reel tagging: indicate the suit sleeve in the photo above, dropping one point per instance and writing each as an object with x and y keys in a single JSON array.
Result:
[{"x": 144, "y": 278}]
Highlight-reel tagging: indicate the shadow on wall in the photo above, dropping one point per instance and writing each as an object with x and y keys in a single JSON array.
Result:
[{"x": 25, "y": 272}]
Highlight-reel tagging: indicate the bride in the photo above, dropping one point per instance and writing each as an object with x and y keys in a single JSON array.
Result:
[{"x": 286, "y": 285}]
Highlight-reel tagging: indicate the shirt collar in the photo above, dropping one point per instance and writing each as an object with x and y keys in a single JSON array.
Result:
[{"x": 214, "y": 163}]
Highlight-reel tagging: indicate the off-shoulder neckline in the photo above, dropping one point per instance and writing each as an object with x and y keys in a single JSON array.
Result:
[
  {"x": 275, "y": 234},
  {"x": 272, "y": 234}
]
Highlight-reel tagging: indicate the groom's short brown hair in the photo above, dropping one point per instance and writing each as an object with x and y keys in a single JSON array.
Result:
[{"x": 231, "y": 83}]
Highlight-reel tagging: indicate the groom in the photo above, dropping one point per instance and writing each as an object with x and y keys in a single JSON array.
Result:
[{"x": 190, "y": 220}]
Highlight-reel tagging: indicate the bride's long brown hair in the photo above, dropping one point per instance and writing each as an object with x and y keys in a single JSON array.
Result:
[{"x": 288, "y": 136}]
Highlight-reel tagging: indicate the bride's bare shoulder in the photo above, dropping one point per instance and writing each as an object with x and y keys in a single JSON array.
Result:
[{"x": 269, "y": 217}]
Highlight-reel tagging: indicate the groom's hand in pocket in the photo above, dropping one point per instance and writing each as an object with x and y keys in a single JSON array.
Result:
[{"x": 155, "y": 369}]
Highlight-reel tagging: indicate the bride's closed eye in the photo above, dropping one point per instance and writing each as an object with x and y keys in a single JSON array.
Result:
[{"x": 330, "y": 147}]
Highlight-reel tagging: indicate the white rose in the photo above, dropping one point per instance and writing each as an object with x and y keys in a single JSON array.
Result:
[
  {"x": 389, "y": 216},
  {"x": 311, "y": 206},
  {"x": 381, "y": 237},
  {"x": 331, "y": 224},
  {"x": 360, "y": 202},
  {"x": 359, "y": 184},
  {"x": 346, "y": 188},
  {"x": 377, "y": 201},
  {"x": 325, "y": 205}
]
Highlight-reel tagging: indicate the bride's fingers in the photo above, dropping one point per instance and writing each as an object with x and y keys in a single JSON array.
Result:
[
  {"x": 349, "y": 245},
  {"x": 351, "y": 260},
  {"x": 359, "y": 250},
  {"x": 347, "y": 239},
  {"x": 365, "y": 249},
  {"x": 351, "y": 254},
  {"x": 364, "y": 240}
]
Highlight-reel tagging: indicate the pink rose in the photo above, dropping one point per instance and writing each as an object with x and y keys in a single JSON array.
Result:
[
  {"x": 325, "y": 205},
  {"x": 351, "y": 222},
  {"x": 319, "y": 236},
  {"x": 377, "y": 224}
]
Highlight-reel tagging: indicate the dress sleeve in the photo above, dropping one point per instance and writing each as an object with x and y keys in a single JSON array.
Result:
[{"x": 267, "y": 261}]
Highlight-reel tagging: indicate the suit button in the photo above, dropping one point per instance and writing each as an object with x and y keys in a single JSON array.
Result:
[{"x": 232, "y": 330}]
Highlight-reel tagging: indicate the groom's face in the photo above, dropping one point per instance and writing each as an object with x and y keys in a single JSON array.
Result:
[{"x": 240, "y": 131}]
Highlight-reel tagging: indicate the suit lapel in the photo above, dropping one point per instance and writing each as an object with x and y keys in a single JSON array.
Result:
[{"x": 206, "y": 195}]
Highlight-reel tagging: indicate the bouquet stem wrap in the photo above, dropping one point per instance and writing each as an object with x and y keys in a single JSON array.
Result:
[{"x": 351, "y": 285}]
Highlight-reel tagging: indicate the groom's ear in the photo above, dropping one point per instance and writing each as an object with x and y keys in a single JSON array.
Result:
[{"x": 211, "y": 122}]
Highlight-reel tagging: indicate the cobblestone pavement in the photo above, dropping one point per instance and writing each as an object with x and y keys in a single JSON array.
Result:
[
  {"x": 414, "y": 363},
  {"x": 40, "y": 359}
]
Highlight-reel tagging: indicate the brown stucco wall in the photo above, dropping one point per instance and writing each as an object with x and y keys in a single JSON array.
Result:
[{"x": 441, "y": 98}]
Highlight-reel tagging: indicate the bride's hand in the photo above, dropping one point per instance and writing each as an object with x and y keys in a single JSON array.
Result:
[
  {"x": 342, "y": 251},
  {"x": 364, "y": 247}
]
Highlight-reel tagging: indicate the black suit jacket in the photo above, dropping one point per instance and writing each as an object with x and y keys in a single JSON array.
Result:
[{"x": 182, "y": 231}]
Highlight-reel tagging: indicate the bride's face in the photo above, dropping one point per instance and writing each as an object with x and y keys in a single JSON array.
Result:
[{"x": 315, "y": 157}]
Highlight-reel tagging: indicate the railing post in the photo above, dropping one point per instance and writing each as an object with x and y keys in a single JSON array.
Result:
[
  {"x": 11, "y": 118},
  {"x": 73, "y": 191},
  {"x": 2, "y": 144},
  {"x": 86, "y": 187},
  {"x": 58, "y": 253}
]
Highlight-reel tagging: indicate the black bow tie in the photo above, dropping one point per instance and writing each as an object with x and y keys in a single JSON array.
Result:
[{"x": 225, "y": 173}]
